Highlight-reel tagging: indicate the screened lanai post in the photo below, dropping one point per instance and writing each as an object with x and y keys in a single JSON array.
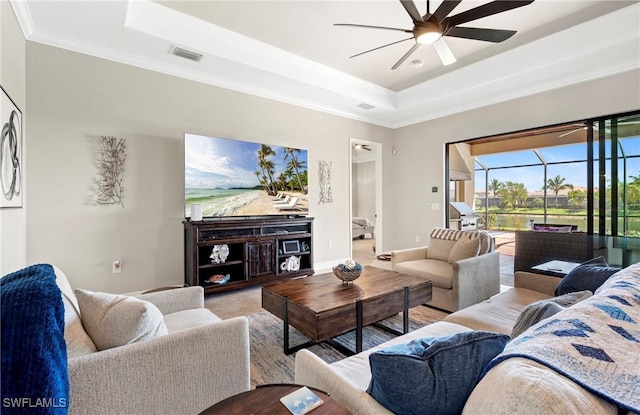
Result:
[
  {"x": 613, "y": 137},
  {"x": 544, "y": 183},
  {"x": 590, "y": 184},
  {"x": 486, "y": 193}
]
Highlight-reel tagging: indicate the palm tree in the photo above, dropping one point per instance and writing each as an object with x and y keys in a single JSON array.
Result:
[
  {"x": 261, "y": 179},
  {"x": 282, "y": 181},
  {"x": 295, "y": 164},
  {"x": 494, "y": 186},
  {"x": 289, "y": 174},
  {"x": 267, "y": 167},
  {"x": 556, "y": 184}
]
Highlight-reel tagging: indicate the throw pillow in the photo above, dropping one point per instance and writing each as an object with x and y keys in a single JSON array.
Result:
[
  {"x": 540, "y": 310},
  {"x": 587, "y": 276},
  {"x": 113, "y": 320},
  {"x": 439, "y": 249},
  {"x": 464, "y": 248},
  {"x": 433, "y": 375}
]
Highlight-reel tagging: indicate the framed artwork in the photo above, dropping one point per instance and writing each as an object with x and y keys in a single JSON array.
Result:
[{"x": 10, "y": 153}]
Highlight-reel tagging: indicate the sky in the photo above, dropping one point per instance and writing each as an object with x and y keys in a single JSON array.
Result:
[
  {"x": 532, "y": 177},
  {"x": 212, "y": 162}
]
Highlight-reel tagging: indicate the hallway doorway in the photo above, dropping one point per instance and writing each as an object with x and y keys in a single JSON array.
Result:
[{"x": 366, "y": 199}]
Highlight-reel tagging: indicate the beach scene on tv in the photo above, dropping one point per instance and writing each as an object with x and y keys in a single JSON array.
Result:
[{"x": 241, "y": 178}]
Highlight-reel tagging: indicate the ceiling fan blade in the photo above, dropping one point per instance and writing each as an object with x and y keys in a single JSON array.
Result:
[
  {"x": 485, "y": 10},
  {"x": 380, "y": 47},
  {"x": 445, "y": 8},
  {"x": 411, "y": 8},
  {"x": 487, "y": 35},
  {"x": 406, "y": 55},
  {"x": 397, "y": 29},
  {"x": 444, "y": 52}
]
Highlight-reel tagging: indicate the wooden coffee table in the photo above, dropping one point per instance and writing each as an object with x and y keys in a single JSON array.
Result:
[{"x": 322, "y": 308}]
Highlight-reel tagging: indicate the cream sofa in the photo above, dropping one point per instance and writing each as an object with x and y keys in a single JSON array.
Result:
[
  {"x": 515, "y": 386},
  {"x": 199, "y": 361},
  {"x": 461, "y": 276}
]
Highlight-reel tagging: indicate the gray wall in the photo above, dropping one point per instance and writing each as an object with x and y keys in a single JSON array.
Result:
[
  {"x": 13, "y": 221},
  {"x": 419, "y": 162},
  {"x": 75, "y": 98}
]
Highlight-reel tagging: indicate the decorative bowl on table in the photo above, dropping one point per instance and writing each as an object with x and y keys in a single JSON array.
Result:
[{"x": 347, "y": 272}]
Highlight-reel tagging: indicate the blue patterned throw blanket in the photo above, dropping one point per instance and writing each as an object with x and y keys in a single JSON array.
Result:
[
  {"x": 595, "y": 343},
  {"x": 34, "y": 354}
]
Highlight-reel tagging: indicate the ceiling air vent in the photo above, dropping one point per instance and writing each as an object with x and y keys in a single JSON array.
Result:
[
  {"x": 365, "y": 106},
  {"x": 187, "y": 54}
]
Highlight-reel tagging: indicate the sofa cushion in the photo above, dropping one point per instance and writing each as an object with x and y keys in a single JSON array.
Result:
[
  {"x": 113, "y": 320},
  {"x": 499, "y": 313},
  {"x": 539, "y": 310},
  {"x": 439, "y": 249},
  {"x": 589, "y": 275},
  {"x": 187, "y": 319},
  {"x": 464, "y": 248},
  {"x": 439, "y": 272},
  {"x": 443, "y": 372}
]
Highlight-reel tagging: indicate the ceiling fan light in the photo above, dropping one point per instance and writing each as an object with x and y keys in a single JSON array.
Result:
[
  {"x": 428, "y": 38},
  {"x": 427, "y": 33}
]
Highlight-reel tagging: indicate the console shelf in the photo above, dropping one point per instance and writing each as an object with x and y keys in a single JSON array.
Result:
[{"x": 256, "y": 250}]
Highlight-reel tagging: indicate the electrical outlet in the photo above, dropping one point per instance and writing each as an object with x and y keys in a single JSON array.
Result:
[
  {"x": 417, "y": 238},
  {"x": 116, "y": 267},
  {"x": 329, "y": 243},
  {"x": 428, "y": 205}
]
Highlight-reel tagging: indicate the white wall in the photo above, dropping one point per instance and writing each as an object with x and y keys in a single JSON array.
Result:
[
  {"x": 76, "y": 98},
  {"x": 419, "y": 162},
  {"x": 13, "y": 221}
]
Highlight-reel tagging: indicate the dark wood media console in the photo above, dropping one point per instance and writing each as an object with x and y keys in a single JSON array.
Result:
[{"x": 257, "y": 248}]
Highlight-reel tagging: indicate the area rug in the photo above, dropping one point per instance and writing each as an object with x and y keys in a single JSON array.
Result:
[{"x": 269, "y": 364}]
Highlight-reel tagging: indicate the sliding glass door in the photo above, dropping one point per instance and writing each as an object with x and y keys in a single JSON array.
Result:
[{"x": 614, "y": 182}]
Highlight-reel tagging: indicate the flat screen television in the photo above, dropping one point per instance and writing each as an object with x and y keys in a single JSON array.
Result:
[{"x": 241, "y": 178}]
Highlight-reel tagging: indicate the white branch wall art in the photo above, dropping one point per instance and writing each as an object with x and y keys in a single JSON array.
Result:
[
  {"x": 324, "y": 176},
  {"x": 111, "y": 160}
]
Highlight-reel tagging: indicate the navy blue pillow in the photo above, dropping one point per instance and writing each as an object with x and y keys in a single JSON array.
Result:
[
  {"x": 589, "y": 275},
  {"x": 432, "y": 375}
]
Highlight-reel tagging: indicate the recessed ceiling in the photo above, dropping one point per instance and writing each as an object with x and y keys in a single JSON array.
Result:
[
  {"x": 290, "y": 51},
  {"x": 305, "y": 28}
]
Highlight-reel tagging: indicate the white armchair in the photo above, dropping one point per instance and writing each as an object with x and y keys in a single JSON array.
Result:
[
  {"x": 202, "y": 360},
  {"x": 462, "y": 266}
]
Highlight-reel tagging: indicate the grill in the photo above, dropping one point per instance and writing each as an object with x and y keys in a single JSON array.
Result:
[{"x": 462, "y": 217}]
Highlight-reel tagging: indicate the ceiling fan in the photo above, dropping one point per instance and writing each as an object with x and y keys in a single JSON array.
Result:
[
  {"x": 361, "y": 147},
  {"x": 431, "y": 28}
]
